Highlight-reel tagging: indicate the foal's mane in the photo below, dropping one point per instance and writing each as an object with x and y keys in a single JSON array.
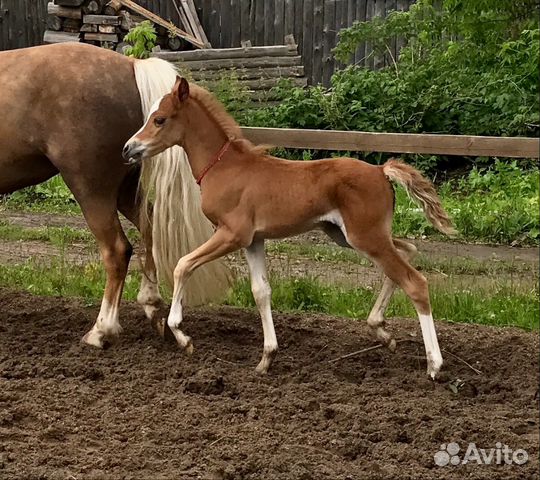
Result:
[{"x": 215, "y": 109}]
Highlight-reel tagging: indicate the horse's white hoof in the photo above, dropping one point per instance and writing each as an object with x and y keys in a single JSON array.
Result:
[
  {"x": 94, "y": 338},
  {"x": 434, "y": 365}
]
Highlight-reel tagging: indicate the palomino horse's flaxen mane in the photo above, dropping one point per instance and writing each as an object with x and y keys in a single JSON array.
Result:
[{"x": 250, "y": 198}]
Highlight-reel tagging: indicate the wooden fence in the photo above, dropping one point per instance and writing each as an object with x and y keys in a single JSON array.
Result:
[
  {"x": 434, "y": 144},
  {"x": 314, "y": 24}
]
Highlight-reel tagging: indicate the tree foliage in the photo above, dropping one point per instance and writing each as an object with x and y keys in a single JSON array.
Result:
[
  {"x": 142, "y": 39},
  {"x": 468, "y": 67}
]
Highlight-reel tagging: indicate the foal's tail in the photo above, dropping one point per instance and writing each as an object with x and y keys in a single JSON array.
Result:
[
  {"x": 171, "y": 204},
  {"x": 422, "y": 191}
]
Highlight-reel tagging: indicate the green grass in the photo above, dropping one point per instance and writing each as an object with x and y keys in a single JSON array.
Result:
[
  {"x": 58, "y": 236},
  {"x": 499, "y": 305},
  {"x": 61, "y": 278}
]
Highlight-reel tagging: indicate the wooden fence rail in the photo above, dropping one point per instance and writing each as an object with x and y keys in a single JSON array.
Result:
[{"x": 470, "y": 146}]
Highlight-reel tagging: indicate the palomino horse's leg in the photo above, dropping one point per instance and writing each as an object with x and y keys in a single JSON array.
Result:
[
  {"x": 219, "y": 244},
  {"x": 116, "y": 252},
  {"x": 148, "y": 297},
  {"x": 376, "y": 318},
  {"x": 262, "y": 293}
]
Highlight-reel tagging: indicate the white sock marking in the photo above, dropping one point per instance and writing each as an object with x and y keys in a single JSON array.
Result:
[
  {"x": 260, "y": 287},
  {"x": 433, "y": 353}
]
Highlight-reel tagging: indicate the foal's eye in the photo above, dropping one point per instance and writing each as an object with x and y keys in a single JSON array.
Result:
[{"x": 159, "y": 121}]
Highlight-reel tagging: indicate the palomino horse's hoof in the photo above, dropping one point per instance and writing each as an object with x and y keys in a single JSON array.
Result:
[
  {"x": 189, "y": 349},
  {"x": 94, "y": 339},
  {"x": 163, "y": 330},
  {"x": 159, "y": 325}
]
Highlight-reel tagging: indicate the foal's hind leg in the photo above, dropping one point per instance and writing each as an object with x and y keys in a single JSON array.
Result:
[
  {"x": 262, "y": 295},
  {"x": 376, "y": 318},
  {"x": 383, "y": 252}
]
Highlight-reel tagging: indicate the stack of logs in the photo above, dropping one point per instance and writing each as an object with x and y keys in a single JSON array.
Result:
[{"x": 98, "y": 22}]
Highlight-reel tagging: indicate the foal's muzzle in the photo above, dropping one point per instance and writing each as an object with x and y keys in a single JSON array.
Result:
[{"x": 133, "y": 152}]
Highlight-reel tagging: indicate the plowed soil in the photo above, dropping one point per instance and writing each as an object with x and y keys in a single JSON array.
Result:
[{"x": 141, "y": 409}]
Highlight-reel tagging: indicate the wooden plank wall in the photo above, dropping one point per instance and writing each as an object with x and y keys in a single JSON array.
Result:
[
  {"x": 22, "y": 23},
  {"x": 314, "y": 24}
]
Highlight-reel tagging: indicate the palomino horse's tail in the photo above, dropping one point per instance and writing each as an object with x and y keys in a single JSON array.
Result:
[
  {"x": 422, "y": 191},
  {"x": 169, "y": 191}
]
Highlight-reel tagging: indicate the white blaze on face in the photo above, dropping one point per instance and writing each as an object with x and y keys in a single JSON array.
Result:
[{"x": 154, "y": 108}]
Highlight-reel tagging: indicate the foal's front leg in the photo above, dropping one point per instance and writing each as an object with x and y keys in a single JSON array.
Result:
[
  {"x": 221, "y": 243},
  {"x": 262, "y": 293}
]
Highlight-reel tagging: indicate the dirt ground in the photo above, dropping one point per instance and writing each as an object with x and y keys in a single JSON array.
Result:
[{"x": 143, "y": 410}]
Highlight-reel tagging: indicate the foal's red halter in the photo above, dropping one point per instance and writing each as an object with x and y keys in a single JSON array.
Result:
[{"x": 213, "y": 162}]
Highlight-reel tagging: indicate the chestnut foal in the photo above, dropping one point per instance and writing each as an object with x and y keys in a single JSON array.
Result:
[{"x": 250, "y": 196}]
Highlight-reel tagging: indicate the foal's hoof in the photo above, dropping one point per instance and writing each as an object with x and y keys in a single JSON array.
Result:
[
  {"x": 433, "y": 366},
  {"x": 184, "y": 342},
  {"x": 391, "y": 345},
  {"x": 266, "y": 362}
]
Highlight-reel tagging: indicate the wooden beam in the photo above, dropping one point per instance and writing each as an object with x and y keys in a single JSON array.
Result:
[
  {"x": 59, "y": 37},
  {"x": 69, "y": 3},
  {"x": 198, "y": 25},
  {"x": 227, "y": 53},
  {"x": 157, "y": 19},
  {"x": 251, "y": 73},
  {"x": 241, "y": 63},
  {"x": 191, "y": 20},
  {"x": 183, "y": 19},
  {"x": 470, "y": 146},
  {"x": 258, "y": 84},
  {"x": 101, "y": 20},
  {"x": 101, "y": 37},
  {"x": 65, "y": 12}
]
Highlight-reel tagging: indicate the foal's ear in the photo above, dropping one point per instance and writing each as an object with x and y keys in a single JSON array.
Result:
[{"x": 181, "y": 89}]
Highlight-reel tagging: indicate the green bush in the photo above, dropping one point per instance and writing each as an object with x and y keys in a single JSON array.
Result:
[
  {"x": 497, "y": 204},
  {"x": 468, "y": 68},
  {"x": 142, "y": 39}
]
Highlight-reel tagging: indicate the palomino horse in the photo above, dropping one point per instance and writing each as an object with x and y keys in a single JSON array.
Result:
[
  {"x": 69, "y": 109},
  {"x": 250, "y": 196}
]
